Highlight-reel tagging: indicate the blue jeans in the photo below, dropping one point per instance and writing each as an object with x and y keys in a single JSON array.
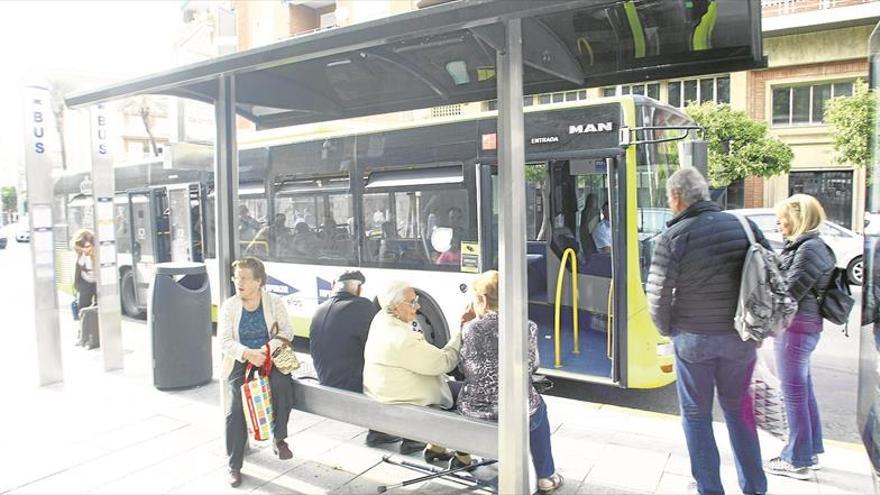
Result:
[
  {"x": 539, "y": 442},
  {"x": 793, "y": 352},
  {"x": 725, "y": 362}
]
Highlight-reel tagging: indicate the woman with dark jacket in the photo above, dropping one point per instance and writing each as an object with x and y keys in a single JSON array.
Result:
[{"x": 807, "y": 263}]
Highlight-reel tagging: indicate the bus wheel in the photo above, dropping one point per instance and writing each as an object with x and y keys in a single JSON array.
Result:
[
  {"x": 432, "y": 321},
  {"x": 128, "y": 298}
]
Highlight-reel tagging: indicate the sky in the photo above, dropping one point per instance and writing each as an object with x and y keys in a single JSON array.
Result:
[{"x": 100, "y": 41}]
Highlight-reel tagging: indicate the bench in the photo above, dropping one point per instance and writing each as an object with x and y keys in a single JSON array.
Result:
[{"x": 425, "y": 424}]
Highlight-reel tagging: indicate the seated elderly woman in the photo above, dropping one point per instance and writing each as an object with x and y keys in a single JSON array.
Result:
[
  {"x": 400, "y": 366},
  {"x": 479, "y": 363},
  {"x": 245, "y": 320}
]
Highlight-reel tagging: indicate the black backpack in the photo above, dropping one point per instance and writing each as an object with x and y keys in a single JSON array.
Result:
[{"x": 836, "y": 301}]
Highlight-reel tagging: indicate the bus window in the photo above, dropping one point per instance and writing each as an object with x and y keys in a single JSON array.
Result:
[
  {"x": 400, "y": 227},
  {"x": 121, "y": 222},
  {"x": 655, "y": 163},
  {"x": 313, "y": 223}
]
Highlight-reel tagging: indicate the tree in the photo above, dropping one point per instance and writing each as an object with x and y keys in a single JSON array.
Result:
[
  {"x": 851, "y": 118},
  {"x": 147, "y": 108},
  {"x": 536, "y": 174},
  {"x": 8, "y": 198},
  {"x": 739, "y": 147}
]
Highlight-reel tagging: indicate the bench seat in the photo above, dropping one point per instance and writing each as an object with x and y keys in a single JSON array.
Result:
[{"x": 425, "y": 424}]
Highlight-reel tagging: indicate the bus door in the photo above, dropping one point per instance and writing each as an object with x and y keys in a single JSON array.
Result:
[
  {"x": 149, "y": 238},
  {"x": 581, "y": 216},
  {"x": 184, "y": 213}
]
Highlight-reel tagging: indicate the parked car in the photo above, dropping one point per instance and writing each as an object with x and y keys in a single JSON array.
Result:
[
  {"x": 23, "y": 235},
  {"x": 847, "y": 245},
  {"x": 2, "y": 240}
]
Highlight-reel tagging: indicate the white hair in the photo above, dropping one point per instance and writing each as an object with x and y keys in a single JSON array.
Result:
[
  {"x": 350, "y": 286},
  {"x": 689, "y": 184},
  {"x": 394, "y": 294}
]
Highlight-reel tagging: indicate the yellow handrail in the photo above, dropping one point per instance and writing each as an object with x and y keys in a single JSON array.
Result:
[
  {"x": 566, "y": 255},
  {"x": 608, "y": 337}
]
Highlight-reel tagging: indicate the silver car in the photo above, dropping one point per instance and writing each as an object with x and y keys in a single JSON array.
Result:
[{"x": 847, "y": 245}]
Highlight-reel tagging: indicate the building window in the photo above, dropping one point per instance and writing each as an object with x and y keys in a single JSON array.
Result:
[
  {"x": 715, "y": 89},
  {"x": 577, "y": 95},
  {"x": 805, "y": 104},
  {"x": 834, "y": 190},
  {"x": 651, "y": 90}
]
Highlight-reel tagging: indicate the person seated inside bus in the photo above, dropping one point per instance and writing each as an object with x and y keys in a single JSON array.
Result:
[
  {"x": 452, "y": 255},
  {"x": 479, "y": 364},
  {"x": 602, "y": 232},
  {"x": 389, "y": 250},
  {"x": 248, "y": 226},
  {"x": 400, "y": 366},
  {"x": 589, "y": 220},
  {"x": 304, "y": 242},
  {"x": 454, "y": 217}
]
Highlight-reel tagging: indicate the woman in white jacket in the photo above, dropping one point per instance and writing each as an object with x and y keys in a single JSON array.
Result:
[
  {"x": 400, "y": 366},
  {"x": 244, "y": 327}
]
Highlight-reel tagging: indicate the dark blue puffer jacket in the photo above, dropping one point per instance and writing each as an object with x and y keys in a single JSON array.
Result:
[
  {"x": 807, "y": 263},
  {"x": 693, "y": 283}
]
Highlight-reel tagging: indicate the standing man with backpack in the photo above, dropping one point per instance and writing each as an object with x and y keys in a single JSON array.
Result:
[{"x": 693, "y": 293}]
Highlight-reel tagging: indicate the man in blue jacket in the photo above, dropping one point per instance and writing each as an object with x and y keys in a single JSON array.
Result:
[
  {"x": 693, "y": 291},
  {"x": 337, "y": 336}
]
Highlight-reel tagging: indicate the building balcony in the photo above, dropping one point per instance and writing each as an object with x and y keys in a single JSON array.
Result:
[{"x": 798, "y": 16}]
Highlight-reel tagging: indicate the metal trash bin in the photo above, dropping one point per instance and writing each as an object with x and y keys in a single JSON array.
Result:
[{"x": 179, "y": 320}]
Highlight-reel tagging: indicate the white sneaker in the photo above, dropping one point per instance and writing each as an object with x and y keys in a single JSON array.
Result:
[
  {"x": 781, "y": 467},
  {"x": 815, "y": 466}
]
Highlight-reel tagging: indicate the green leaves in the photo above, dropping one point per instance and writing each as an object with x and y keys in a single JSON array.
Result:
[
  {"x": 851, "y": 118},
  {"x": 8, "y": 198},
  {"x": 739, "y": 147}
]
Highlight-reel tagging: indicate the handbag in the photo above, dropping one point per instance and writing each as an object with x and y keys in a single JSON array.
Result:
[
  {"x": 256, "y": 398},
  {"x": 283, "y": 357},
  {"x": 768, "y": 403}
]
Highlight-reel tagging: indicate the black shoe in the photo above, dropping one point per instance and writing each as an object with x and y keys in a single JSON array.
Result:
[
  {"x": 375, "y": 438},
  {"x": 433, "y": 456},
  {"x": 411, "y": 446}
]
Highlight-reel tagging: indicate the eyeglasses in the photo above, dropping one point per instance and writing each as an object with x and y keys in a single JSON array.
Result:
[{"x": 414, "y": 303}]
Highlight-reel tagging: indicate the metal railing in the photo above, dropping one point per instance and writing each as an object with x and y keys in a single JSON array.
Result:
[
  {"x": 568, "y": 254},
  {"x": 771, "y": 8}
]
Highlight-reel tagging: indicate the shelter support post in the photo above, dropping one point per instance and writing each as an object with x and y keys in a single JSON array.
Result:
[
  {"x": 226, "y": 184},
  {"x": 39, "y": 157},
  {"x": 513, "y": 350},
  {"x": 103, "y": 191}
]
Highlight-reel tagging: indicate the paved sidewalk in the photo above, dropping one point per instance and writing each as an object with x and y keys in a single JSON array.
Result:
[{"x": 115, "y": 433}]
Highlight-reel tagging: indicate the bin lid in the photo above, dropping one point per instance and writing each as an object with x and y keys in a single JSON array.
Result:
[{"x": 180, "y": 268}]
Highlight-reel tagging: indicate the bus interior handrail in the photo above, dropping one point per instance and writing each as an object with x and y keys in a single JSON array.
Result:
[{"x": 568, "y": 254}]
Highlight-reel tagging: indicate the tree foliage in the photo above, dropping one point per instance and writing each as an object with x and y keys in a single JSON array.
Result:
[
  {"x": 739, "y": 147},
  {"x": 8, "y": 198},
  {"x": 851, "y": 118}
]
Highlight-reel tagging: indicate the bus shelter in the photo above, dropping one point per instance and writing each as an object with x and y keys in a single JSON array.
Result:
[{"x": 457, "y": 52}]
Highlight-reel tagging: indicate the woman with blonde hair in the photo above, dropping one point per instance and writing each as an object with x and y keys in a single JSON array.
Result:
[
  {"x": 807, "y": 264},
  {"x": 84, "y": 281},
  {"x": 479, "y": 363}
]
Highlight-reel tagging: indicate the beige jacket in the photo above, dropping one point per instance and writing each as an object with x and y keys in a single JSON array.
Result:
[
  {"x": 229, "y": 318},
  {"x": 400, "y": 366}
]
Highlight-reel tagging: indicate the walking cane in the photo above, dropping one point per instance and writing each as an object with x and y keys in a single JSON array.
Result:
[{"x": 385, "y": 488}]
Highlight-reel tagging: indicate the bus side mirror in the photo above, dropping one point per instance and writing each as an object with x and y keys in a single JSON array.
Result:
[{"x": 694, "y": 153}]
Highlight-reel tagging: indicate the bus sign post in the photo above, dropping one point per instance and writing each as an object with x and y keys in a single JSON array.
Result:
[
  {"x": 39, "y": 160},
  {"x": 103, "y": 192}
]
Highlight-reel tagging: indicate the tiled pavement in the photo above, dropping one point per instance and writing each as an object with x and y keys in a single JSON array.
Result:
[{"x": 114, "y": 433}]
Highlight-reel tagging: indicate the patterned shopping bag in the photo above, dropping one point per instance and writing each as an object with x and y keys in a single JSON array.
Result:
[
  {"x": 256, "y": 398},
  {"x": 768, "y": 404}
]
